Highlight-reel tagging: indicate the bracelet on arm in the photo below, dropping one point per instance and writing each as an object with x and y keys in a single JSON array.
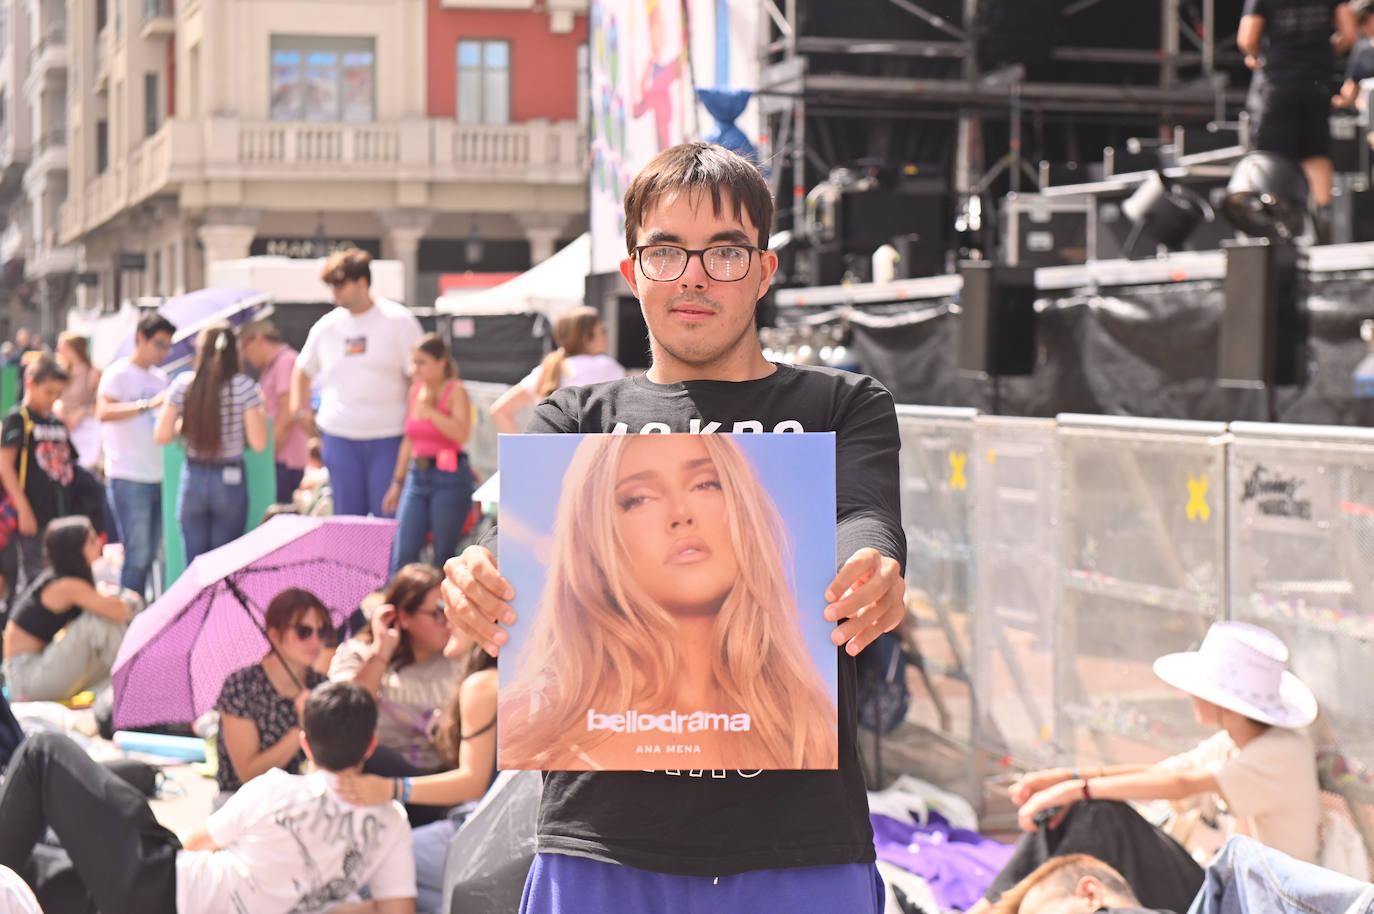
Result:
[
  {"x": 1086, "y": 794},
  {"x": 405, "y": 790},
  {"x": 1073, "y": 774},
  {"x": 395, "y": 788}
]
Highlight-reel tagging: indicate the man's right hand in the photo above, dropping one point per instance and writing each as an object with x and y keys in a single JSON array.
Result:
[{"x": 477, "y": 599}]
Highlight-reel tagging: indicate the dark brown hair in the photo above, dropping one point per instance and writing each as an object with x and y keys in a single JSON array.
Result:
[
  {"x": 406, "y": 592},
  {"x": 433, "y": 345},
  {"x": 449, "y": 735},
  {"x": 291, "y": 605},
  {"x": 700, "y": 168},
  {"x": 44, "y": 369},
  {"x": 572, "y": 331},
  {"x": 350, "y": 263},
  {"x": 217, "y": 361}
]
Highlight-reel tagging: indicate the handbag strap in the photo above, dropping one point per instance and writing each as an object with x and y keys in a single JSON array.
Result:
[{"x": 24, "y": 450}]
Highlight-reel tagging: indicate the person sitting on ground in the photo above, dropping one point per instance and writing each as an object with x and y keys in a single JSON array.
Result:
[
  {"x": 314, "y": 487},
  {"x": 1070, "y": 884},
  {"x": 64, "y": 598},
  {"x": 260, "y": 705},
  {"x": 1256, "y": 776},
  {"x": 580, "y": 359},
  {"x": 285, "y": 843},
  {"x": 403, "y": 665},
  {"x": 466, "y": 734}
]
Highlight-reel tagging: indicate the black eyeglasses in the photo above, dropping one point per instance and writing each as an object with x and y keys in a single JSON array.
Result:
[
  {"x": 723, "y": 262},
  {"x": 306, "y": 632}
]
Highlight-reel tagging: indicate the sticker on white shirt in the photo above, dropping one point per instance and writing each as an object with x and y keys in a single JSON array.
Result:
[{"x": 355, "y": 345}]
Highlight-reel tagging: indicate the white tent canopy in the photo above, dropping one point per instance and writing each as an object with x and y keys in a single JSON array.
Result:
[{"x": 551, "y": 287}]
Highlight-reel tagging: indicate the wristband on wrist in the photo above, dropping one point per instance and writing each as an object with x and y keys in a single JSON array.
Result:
[
  {"x": 395, "y": 788},
  {"x": 1073, "y": 774},
  {"x": 405, "y": 790}
]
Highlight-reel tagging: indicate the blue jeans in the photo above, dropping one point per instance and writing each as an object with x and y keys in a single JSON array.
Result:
[
  {"x": 212, "y": 511},
  {"x": 288, "y": 480},
  {"x": 1249, "y": 878},
  {"x": 138, "y": 518},
  {"x": 433, "y": 500},
  {"x": 360, "y": 471}
]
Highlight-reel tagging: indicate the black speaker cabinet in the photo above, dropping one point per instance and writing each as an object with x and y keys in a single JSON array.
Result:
[
  {"x": 1264, "y": 328},
  {"x": 997, "y": 320}
]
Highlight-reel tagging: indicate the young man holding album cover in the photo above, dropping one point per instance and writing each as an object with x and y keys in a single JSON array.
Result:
[{"x": 697, "y": 221}]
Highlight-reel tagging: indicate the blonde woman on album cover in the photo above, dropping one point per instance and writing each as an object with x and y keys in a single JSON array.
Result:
[{"x": 667, "y": 595}]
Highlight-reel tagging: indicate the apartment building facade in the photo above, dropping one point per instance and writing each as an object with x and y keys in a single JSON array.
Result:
[{"x": 437, "y": 132}]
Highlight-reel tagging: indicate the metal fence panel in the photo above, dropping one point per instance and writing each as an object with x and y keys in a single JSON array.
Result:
[
  {"x": 1016, "y": 593},
  {"x": 1143, "y": 574},
  {"x": 937, "y": 475},
  {"x": 1302, "y": 540},
  {"x": 482, "y": 440}
]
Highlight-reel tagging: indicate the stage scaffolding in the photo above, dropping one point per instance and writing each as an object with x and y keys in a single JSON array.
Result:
[{"x": 797, "y": 96}]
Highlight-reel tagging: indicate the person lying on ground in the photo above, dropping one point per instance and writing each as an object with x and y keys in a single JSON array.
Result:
[
  {"x": 284, "y": 843},
  {"x": 1255, "y": 776}
]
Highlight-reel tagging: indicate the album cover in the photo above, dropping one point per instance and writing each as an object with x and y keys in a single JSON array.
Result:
[{"x": 670, "y": 598}]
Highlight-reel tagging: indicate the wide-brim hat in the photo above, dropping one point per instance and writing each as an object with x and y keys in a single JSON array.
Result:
[{"x": 1240, "y": 667}]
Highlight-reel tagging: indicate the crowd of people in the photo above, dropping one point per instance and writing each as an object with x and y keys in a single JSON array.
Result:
[{"x": 397, "y": 713}]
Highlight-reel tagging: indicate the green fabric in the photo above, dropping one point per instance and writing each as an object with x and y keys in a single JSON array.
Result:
[
  {"x": 260, "y": 468},
  {"x": 9, "y": 388}
]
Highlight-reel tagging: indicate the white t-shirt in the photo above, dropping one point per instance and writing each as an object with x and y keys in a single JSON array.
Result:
[
  {"x": 578, "y": 371},
  {"x": 1270, "y": 788},
  {"x": 15, "y": 895},
  {"x": 360, "y": 363},
  {"x": 130, "y": 451},
  {"x": 287, "y": 843}
]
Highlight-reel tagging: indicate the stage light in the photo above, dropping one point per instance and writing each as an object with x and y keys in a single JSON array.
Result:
[
  {"x": 1169, "y": 212},
  {"x": 1266, "y": 196}
]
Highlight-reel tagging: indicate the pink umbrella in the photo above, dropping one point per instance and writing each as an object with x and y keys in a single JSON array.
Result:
[{"x": 178, "y": 652}]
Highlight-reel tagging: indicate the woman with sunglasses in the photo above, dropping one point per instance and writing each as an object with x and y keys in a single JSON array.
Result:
[
  {"x": 260, "y": 705},
  {"x": 400, "y": 660}
]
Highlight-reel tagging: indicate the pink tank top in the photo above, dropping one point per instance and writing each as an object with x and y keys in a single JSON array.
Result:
[{"x": 425, "y": 439}]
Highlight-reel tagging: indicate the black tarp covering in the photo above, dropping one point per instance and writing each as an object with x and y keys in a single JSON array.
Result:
[{"x": 1149, "y": 350}]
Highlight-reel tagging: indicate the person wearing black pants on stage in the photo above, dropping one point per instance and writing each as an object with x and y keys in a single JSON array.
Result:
[{"x": 1290, "y": 45}]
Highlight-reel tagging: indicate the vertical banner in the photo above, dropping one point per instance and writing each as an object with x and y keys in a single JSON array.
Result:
[{"x": 647, "y": 58}]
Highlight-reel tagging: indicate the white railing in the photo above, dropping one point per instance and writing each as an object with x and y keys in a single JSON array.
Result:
[{"x": 420, "y": 149}]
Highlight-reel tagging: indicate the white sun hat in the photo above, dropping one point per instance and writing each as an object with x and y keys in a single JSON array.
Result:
[{"x": 1241, "y": 667}]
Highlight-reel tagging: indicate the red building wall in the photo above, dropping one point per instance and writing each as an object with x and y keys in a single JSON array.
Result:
[{"x": 543, "y": 65}]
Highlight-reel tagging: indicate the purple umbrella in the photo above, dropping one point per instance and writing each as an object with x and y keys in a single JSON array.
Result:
[
  {"x": 193, "y": 311},
  {"x": 178, "y": 652}
]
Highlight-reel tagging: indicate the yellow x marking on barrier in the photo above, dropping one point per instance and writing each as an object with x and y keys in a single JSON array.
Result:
[
  {"x": 957, "y": 461},
  {"x": 1198, "y": 509}
]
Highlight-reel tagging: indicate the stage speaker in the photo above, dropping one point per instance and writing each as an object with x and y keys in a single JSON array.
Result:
[
  {"x": 1264, "y": 329},
  {"x": 997, "y": 319}
]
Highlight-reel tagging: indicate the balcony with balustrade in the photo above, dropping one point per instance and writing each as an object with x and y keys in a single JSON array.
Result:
[
  {"x": 48, "y": 60},
  {"x": 424, "y": 151},
  {"x": 49, "y": 155},
  {"x": 159, "y": 19}
]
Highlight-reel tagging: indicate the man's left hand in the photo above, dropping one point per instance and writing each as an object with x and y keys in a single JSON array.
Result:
[{"x": 868, "y": 595}]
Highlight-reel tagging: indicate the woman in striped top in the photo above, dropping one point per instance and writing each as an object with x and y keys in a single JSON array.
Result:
[{"x": 217, "y": 410}]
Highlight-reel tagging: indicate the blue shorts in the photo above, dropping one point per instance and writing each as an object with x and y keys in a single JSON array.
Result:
[{"x": 563, "y": 884}]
